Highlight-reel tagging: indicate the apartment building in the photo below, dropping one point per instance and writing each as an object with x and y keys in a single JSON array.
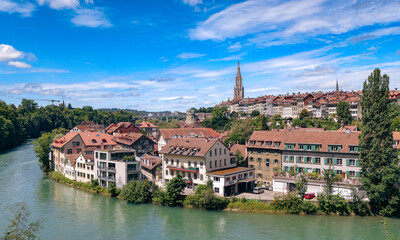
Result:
[
  {"x": 84, "y": 165},
  {"x": 112, "y": 167},
  {"x": 228, "y": 182},
  {"x": 142, "y": 144},
  {"x": 165, "y": 135},
  {"x": 151, "y": 168},
  {"x": 122, "y": 127}
]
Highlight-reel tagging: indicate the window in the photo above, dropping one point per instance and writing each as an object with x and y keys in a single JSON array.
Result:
[
  {"x": 352, "y": 173},
  {"x": 276, "y": 161},
  {"x": 317, "y": 170},
  {"x": 308, "y": 159},
  {"x": 259, "y": 175},
  {"x": 352, "y": 162},
  {"x": 210, "y": 164},
  {"x": 201, "y": 177},
  {"x": 317, "y": 160},
  {"x": 251, "y": 166},
  {"x": 301, "y": 147},
  {"x": 300, "y": 170},
  {"x": 195, "y": 164},
  {"x": 195, "y": 175},
  {"x": 166, "y": 172},
  {"x": 227, "y": 179},
  {"x": 97, "y": 155},
  {"x": 172, "y": 173},
  {"x": 189, "y": 163},
  {"x": 201, "y": 164},
  {"x": 245, "y": 175},
  {"x": 251, "y": 159},
  {"x": 300, "y": 159},
  {"x": 172, "y": 161},
  {"x": 339, "y": 161},
  {"x": 216, "y": 179},
  {"x": 210, "y": 153},
  {"x": 177, "y": 162},
  {"x": 215, "y": 150},
  {"x": 220, "y": 151},
  {"x": 225, "y": 151},
  {"x": 103, "y": 156},
  {"x": 286, "y": 168},
  {"x": 69, "y": 151},
  {"x": 339, "y": 172},
  {"x": 309, "y": 147},
  {"x": 291, "y": 158},
  {"x": 216, "y": 190},
  {"x": 276, "y": 144},
  {"x": 233, "y": 178},
  {"x": 220, "y": 163},
  {"x": 215, "y": 163},
  {"x": 329, "y": 161},
  {"x": 225, "y": 162},
  {"x": 285, "y": 158}
]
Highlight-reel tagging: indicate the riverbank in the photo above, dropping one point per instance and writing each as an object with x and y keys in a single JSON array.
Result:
[{"x": 285, "y": 204}]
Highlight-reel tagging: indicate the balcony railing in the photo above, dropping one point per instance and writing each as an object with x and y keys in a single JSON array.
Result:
[
  {"x": 109, "y": 169},
  {"x": 190, "y": 169},
  {"x": 107, "y": 178}
]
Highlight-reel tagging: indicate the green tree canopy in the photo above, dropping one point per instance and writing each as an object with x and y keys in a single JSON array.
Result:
[
  {"x": 343, "y": 112},
  {"x": 378, "y": 159}
]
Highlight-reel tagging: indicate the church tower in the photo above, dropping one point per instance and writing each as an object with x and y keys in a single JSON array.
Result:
[
  {"x": 337, "y": 86},
  {"x": 238, "y": 90}
]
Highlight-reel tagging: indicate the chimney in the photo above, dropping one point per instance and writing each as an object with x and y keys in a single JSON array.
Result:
[
  {"x": 206, "y": 139},
  {"x": 102, "y": 146}
]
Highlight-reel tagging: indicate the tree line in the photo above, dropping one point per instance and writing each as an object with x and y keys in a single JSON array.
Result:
[{"x": 28, "y": 120}]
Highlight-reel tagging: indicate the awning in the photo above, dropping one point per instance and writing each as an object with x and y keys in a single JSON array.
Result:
[{"x": 247, "y": 180}]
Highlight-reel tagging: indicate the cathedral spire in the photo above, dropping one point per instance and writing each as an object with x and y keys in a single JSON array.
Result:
[
  {"x": 337, "y": 86},
  {"x": 238, "y": 90}
]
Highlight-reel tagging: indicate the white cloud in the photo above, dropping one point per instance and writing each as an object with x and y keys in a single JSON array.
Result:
[
  {"x": 375, "y": 34},
  {"x": 19, "y": 64},
  {"x": 60, "y": 4},
  {"x": 253, "y": 90},
  {"x": 281, "y": 22},
  {"x": 90, "y": 18},
  {"x": 190, "y": 55},
  {"x": 229, "y": 58},
  {"x": 192, "y": 2},
  {"x": 23, "y": 7},
  {"x": 8, "y": 52},
  {"x": 235, "y": 47}
]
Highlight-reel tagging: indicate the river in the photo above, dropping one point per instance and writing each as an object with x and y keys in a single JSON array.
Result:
[{"x": 68, "y": 213}]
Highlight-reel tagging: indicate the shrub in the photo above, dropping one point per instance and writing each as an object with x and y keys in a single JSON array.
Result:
[
  {"x": 333, "y": 204},
  {"x": 251, "y": 206},
  {"x": 289, "y": 203},
  {"x": 308, "y": 207},
  {"x": 138, "y": 191},
  {"x": 205, "y": 198},
  {"x": 113, "y": 190},
  {"x": 173, "y": 195}
]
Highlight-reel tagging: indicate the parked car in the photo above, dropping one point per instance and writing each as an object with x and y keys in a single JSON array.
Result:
[
  {"x": 309, "y": 195},
  {"x": 258, "y": 190}
]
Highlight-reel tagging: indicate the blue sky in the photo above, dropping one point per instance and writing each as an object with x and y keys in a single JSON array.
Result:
[{"x": 173, "y": 55}]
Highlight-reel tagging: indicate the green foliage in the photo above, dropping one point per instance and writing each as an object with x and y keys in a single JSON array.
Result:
[
  {"x": 19, "y": 228},
  {"x": 261, "y": 122},
  {"x": 249, "y": 206},
  {"x": 57, "y": 176},
  {"x": 335, "y": 204},
  {"x": 42, "y": 148},
  {"x": 358, "y": 206},
  {"x": 254, "y": 113},
  {"x": 219, "y": 121},
  {"x": 241, "y": 161},
  {"x": 304, "y": 114},
  {"x": 378, "y": 160},
  {"x": 289, "y": 203},
  {"x": 301, "y": 186},
  {"x": 343, "y": 112},
  {"x": 329, "y": 178},
  {"x": 114, "y": 191},
  {"x": 168, "y": 125},
  {"x": 204, "y": 198},
  {"x": 138, "y": 191},
  {"x": 173, "y": 195},
  {"x": 241, "y": 131}
]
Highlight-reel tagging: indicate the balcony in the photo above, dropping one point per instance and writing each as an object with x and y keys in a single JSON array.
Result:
[
  {"x": 108, "y": 169},
  {"x": 107, "y": 178},
  {"x": 190, "y": 169}
]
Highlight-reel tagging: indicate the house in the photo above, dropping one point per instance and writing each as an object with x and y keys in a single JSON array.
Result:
[
  {"x": 149, "y": 128},
  {"x": 151, "y": 168},
  {"x": 199, "y": 160},
  {"x": 88, "y": 126},
  {"x": 122, "y": 127},
  {"x": 84, "y": 165},
  {"x": 165, "y": 135},
  {"x": 116, "y": 167},
  {"x": 65, "y": 149},
  {"x": 304, "y": 152},
  {"x": 136, "y": 141}
]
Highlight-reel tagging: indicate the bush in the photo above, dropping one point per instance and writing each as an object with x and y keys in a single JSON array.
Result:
[
  {"x": 289, "y": 203},
  {"x": 333, "y": 204},
  {"x": 250, "y": 206},
  {"x": 308, "y": 207},
  {"x": 114, "y": 191},
  {"x": 205, "y": 198},
  {"x": 138, "y": 191},
  {"x": 173, "y": 195}
]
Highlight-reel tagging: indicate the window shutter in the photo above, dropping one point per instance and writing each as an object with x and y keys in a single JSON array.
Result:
[
  {"x": 297, "y": 170},
  {"x": 284, "y": 159},
  {"x": 339, "y": 147},
  {"x": 313, "y": 147},
  {"x": 313, "y": 160},
  {"x": 334, "y": 161},
  {"x": 297, "y": 159},
  {"x": 347, "y": 162},
  {"x": 326, "y": 161},
  {"x": 357, "y": 174},
  {"x": 329, "y": 148},
  {"x": 357, "y": 163},
  {"x": 348, "y": 173},
  {"x": 313, "y": 170}
]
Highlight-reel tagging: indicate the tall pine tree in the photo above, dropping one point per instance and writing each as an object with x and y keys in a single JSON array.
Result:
[{"x": 379, "y": 161}]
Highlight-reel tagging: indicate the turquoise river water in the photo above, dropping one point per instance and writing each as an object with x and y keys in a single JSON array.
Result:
[{"x": 68, "y": 213}]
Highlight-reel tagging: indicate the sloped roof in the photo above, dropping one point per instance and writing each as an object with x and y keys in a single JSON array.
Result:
[
  {"x": 129, "y": 138},
  {"x": 241, "y": 148},
  {"x": 323, "y": 138},
  {"x": 229, "y": 171},
  {"x": 149, "y": 161},
  {"x": 189, "y": 146},
  {"x": 188, "y": 133},
  {"x": 89, "y": 139},
  {"x": 147, "y": 125},
  {"x": 64, "y": 140}
]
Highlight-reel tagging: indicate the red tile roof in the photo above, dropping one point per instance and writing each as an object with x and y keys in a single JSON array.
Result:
[
  {"x": 241, "y": 148},
  {"x": 188, "y": 132},
  {"x": 149, "y": 161},
  {"x": 189, "y": 146},
  {"x": 147, "y": 125},
  {"x": 230, "y": 171}
]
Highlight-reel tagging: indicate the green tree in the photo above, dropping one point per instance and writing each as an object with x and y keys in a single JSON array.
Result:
[
  {"x": 19, "y": 228},
  {"x": 241, "y": 131},
  {"x": 173, "y": 195},
  {"x": 241, "y": 161},
  {"x": 329, "y": 178},
  {"x": 254, "y": 113},
  {"x": 379, "y": 161},
  {"x": 343, "y": 112},
  {"x": 304, "y": 114},
  {"x": 138, "y": 191},
  {"x": 301, "y": 186},
  {"x": 42, "y": 148}
]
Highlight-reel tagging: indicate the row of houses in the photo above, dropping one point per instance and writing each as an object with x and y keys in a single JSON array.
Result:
[
  {"x": 120, "y": 155},
  {"x": 320, "y": 104}
]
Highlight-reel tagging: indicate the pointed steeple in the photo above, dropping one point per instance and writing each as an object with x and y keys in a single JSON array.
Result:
[
  {"x": 238, "y": 90},
  {"x": 337, "y": 86}
]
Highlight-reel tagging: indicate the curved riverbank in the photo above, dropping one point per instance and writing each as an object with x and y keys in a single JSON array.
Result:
[{"x": 70, "y": 213}]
